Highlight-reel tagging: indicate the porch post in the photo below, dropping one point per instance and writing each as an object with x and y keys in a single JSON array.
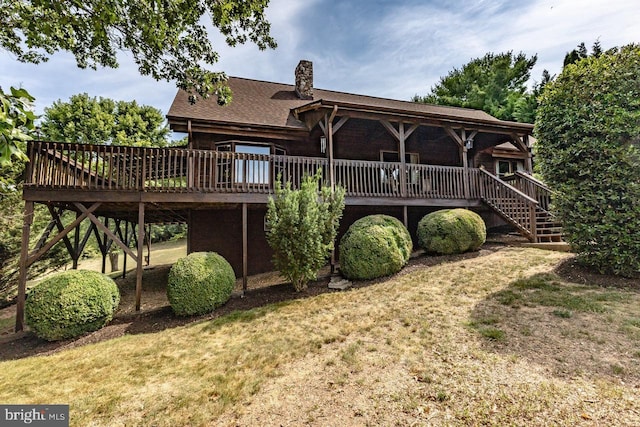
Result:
[
  {"x": 465, "y": 164},
  {"x": 528, "y": 165},
  {"x": 140, "y": 252},
  {"x": 24, "y": 255},
  {"x": 403, "y": 160}
]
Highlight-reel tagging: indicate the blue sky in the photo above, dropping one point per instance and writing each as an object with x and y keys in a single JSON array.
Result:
[{"x": 387, "y": 48}]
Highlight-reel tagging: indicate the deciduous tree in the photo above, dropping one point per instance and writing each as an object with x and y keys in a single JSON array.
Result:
[{"x": 84, "y": 119}]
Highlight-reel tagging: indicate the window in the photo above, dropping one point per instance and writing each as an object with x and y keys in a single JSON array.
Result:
[
  {"x": 245, "y": 163},
  {"x": 253, "y": 168},
  {"x": 505, "y": 168}
]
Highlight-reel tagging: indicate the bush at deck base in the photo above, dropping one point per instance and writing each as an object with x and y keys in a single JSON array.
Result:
[
  {"x": 451, "y": 231},
  {"x": 374, "y": 246},
  {"x": 70, "y": 304},
  {"x": 199, "y": 282}
]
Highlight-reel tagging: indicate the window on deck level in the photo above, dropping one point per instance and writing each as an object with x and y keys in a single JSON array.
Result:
[
  {"x": 508, "y": 167},
  {"x": 248, "y": 165}
]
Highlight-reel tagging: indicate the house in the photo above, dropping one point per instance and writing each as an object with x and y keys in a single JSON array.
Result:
[{"x": 396, "y": 157}]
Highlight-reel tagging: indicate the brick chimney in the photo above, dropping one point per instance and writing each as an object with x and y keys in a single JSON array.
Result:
[{"x": 304, "y": 80}]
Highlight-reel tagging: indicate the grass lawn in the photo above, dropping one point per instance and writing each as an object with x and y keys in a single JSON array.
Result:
[{"x": 497, "y": 339}]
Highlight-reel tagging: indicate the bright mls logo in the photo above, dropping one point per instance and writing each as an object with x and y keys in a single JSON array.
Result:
[{"x": 34, "y": 415}]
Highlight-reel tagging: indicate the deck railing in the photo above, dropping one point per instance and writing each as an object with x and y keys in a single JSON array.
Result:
[{"x": 57, "y": 165}]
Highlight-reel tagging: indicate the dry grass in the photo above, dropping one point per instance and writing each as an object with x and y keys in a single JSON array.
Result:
[{"x": 491, "y": 340}]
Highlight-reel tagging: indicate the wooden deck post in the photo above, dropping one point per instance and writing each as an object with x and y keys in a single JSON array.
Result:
[
  {"x": 403, "y": 160},
  {"x": 24, "y": 255},
  {"x": 127, "y": 241},
  {"x": 245, "y": 247},
  {"x": 140, "y": 251}
]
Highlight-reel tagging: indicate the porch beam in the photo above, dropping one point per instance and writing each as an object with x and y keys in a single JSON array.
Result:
[
  {"x": 106, "y": 231},
  {"x": 37, "y": 254},
  {"x": 55, "y": 218},
  {"x": 391, "y": 129}
]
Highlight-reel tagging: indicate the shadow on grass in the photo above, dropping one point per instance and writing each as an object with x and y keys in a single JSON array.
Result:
[{"x": 571, "y": 329}]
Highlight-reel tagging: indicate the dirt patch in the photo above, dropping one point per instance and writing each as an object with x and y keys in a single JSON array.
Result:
[{"x": 572, "y": 271}]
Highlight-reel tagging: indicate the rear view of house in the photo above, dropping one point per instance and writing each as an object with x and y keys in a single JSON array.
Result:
[{"x": 401, "y": 158}]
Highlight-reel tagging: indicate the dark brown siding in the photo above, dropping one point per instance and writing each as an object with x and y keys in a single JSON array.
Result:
[{"x": 220, "y": 230}]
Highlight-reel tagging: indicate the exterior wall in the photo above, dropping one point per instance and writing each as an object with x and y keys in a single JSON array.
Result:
[
  {"x": 220, "y": 230},
  {"x": 357, "y": 139}
]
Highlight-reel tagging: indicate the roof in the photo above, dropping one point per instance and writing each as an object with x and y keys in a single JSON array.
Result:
[{"x": 260, "y": 103}]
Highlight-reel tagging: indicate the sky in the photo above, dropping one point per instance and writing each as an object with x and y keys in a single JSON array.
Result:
[{"x": 387, "y": 48}]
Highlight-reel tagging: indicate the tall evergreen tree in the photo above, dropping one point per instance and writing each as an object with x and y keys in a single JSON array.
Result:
[{"x": 495, "y": 83}]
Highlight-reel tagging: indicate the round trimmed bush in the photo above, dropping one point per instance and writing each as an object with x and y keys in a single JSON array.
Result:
[
  {"x": 451, "y": 231},
  {"x": 71, "y": 303},
  {"x": 374, "y": 246},
  {"x": 199, "y": 282}
]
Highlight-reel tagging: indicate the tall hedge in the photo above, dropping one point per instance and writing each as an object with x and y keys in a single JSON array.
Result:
[
  {"x": 71, "y": 303},
  {"x": 588, "y": 130}
]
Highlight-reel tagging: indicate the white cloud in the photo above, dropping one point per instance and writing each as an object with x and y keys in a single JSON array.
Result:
[{"x": 380, "y": 48}]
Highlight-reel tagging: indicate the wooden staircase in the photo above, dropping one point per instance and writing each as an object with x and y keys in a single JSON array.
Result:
[{"x": 522, "y": 201}]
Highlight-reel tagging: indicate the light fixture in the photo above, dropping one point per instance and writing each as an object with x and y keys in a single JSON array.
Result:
[
  {"x": 469, "y": 143},
  {"x": 323, "y": 144}
]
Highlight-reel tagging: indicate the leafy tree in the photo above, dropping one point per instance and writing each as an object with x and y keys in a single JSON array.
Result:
[
  {"x": 168, "y": 40},
  {"x": 588, "y": 130},
  {"x": 16, "y": 120},
  {"x": 495, "y": 83},
  {"x": 302, "y": 227},
  {"x": 84, "y": 119}
]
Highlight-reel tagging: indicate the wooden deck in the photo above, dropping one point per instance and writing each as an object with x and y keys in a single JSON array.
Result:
[{"x": 63, "y": 172}]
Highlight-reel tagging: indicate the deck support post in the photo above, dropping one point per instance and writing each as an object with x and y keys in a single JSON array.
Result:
[
  {"x": 245, "y": 247},
  {"x": 23, "y": 266},
  {"x": 127, "y": 241},
  {"x": 140, "y": 252},
  {"x": 405, "y": 216}
]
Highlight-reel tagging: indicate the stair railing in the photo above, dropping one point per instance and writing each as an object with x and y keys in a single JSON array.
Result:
[{"x": 512, "y": 204}]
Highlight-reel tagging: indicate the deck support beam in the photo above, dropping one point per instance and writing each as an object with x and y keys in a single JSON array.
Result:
[
  {"x": 245, "y": 248},
  {"x": 23, "y": 266},
  {"x": 140, "y": 256}
]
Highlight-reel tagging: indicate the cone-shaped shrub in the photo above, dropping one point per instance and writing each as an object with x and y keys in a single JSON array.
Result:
[
  {"x": 71, "y": 303},
  {"x": 451, "y": 231},
  {"x": 374, "y": 246},
  {"x": 199, "y": 282}
]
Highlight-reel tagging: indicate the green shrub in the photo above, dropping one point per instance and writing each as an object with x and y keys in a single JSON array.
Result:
[
  {"x": 302, "y": 226},
  {"x": 199, "y": 282},
  {"x": 451, "y": 231},
  {"x": 588, "y": 130},
  {"x": 70, "y": 304},
  {"x": 374, "y": 246}
]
